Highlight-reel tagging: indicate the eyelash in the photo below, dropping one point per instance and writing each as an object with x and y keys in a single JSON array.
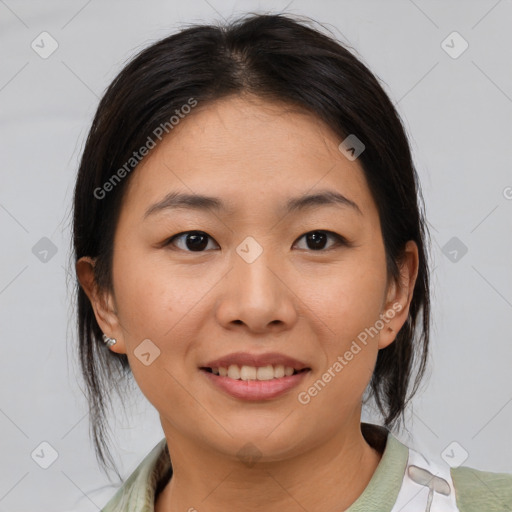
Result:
[{"x": 340, "y": 240}]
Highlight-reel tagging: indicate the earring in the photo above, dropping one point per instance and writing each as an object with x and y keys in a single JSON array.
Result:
[{"x": 109, "y": 341}]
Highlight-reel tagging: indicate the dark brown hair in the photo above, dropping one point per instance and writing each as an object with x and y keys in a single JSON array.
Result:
[{"x": 276, "y": 58}]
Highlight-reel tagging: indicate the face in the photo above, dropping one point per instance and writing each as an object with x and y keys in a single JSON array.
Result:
[{"x": 263, "y": 271}]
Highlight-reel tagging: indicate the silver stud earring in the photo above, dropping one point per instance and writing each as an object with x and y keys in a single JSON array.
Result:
[{"x": 109, "y": 341}]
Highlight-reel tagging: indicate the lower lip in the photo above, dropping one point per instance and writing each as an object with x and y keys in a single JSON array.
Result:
[{"x": 255, "y": 389}]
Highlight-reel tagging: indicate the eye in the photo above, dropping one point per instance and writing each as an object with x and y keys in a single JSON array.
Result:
[
  {"x": 317, "y": 240},
  {"x": 195, "y": 241}
]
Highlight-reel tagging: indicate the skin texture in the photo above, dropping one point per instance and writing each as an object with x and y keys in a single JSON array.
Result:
[{"x": 308, "y": 304}]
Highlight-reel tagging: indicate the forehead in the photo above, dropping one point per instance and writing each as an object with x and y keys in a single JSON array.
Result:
[{"x": 248, "y": 151}]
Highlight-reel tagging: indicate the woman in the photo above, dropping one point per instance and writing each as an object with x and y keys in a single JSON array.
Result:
[{"x": 249, "y": 246}]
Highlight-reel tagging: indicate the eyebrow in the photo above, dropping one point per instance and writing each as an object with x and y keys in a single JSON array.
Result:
[{"x": 179, "y": 200}]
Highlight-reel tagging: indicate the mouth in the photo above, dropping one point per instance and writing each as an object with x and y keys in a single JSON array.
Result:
[
  {"x": 260, "y": 373},
  {"x": 254, "y": 383}
]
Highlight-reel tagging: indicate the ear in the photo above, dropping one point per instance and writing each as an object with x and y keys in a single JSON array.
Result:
[
  {"x": 399, "y": 295},
  {"x": 102, "y": 303}
]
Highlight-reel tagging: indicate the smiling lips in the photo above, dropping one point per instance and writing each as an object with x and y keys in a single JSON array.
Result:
[
  {"x": 255, "y": 377},
  {"x": 255, "y": 360},
  {"x": 254, "y": 373}
]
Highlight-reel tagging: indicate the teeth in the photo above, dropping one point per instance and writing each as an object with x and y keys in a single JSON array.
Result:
[
  {"x": 252, "y": 373},
  {"x": 279, "y": 371},
  {"x": 265, "y": 373},
  {"x": 234, "y": 372},
  {"x": 248, "y": 373}
]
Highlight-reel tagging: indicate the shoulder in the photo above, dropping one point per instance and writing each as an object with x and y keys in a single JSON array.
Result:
[
  {"x": 137, "y": 494},
  {"x": 481, "y": 490},
  {"x": 432, "y": 483}
]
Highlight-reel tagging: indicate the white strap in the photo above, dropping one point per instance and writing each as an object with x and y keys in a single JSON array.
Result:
[{"x": 426, "y": 487}]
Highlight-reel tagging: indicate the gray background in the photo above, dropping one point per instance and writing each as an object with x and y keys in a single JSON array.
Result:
[{"x": 458, "y": 113}]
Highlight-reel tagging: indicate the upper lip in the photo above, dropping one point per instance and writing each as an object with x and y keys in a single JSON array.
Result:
[{"x": 246, "y": 359}]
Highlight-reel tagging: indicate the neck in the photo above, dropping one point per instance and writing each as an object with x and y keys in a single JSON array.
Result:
[{"x": 328, "y": 477}]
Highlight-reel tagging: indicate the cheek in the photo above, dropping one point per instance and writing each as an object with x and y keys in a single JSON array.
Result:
[
  {"x": 159, "y": 303},
  {"x": 153, "y": 304},
  {"x": 151, "y": 298},
  {"x": 348, "y": 303},
  {"x": 347, "y": 300}
]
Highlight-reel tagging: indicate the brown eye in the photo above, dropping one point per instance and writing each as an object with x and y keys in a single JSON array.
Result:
[
  {"x": 317, "y": 240},
  {"x": 197, "y": 241},
  {"x": 193, "y": 241}
]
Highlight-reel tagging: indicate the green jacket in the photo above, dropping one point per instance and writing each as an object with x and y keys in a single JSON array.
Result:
[{"x": 403, "y": 481}]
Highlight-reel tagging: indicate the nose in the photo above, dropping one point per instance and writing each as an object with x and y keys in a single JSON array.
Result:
[{"x": 257, "y": 294}]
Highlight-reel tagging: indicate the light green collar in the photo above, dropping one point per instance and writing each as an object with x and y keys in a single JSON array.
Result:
[
  {"x": 382, "y": 490},
  {"x": 138, "y": 492}
]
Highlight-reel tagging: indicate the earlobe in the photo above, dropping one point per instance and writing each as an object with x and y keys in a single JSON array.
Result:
[
  {"x": 387, "y": 336},
  {"x": 101, "y": 301},
  {"x": 399, "y": 296}
]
